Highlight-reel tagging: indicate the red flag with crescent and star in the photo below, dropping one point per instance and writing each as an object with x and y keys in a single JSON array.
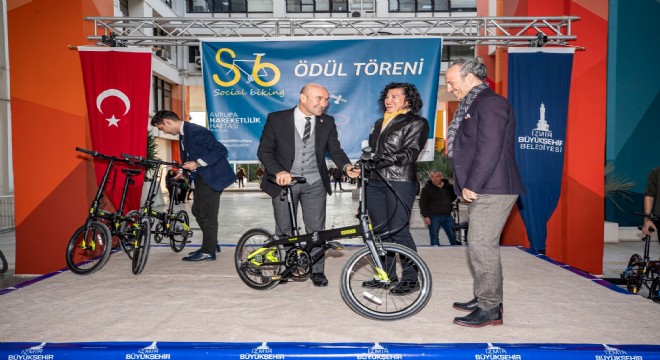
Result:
[{"x": 117, "y": 86}]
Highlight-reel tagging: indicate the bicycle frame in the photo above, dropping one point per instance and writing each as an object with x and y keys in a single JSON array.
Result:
[
  {"x": 165, "y": 217},
  {"x": 115, "y": 219},
  {"x": 321, "y": 238}
]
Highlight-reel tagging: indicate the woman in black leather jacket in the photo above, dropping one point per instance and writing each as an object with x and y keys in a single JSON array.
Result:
[{"x": 397, "y": 140}]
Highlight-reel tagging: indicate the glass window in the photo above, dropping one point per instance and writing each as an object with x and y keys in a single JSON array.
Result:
[
  {"x": 463, "y": 5},
  {"x": 339, "y": 6},
  {"x": 453, "y": 52},
  {"x": 424, "y": 5},
  {"x": 123, "y": 7},
  {"x": 198, "y": 6},
  {"x": 162, "y": 94}
]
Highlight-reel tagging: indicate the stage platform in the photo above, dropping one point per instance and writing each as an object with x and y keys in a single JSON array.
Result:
[{"x": 179, "y": 310}]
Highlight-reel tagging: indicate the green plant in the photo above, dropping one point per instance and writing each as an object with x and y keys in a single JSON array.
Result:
[
  {"x": 616, "y": 186},
  {"x": 440, "y": 163},
  {"x": 152, "y": 151}
]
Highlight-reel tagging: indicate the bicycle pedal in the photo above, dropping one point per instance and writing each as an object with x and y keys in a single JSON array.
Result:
[{"x": 335, "y": 245}]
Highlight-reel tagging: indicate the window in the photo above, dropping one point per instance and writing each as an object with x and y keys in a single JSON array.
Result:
[
  {"x": 432, "y": 5},
  {"x": 193, "y": 52},
  {"x": 197, "y": 6},
  {"x": 123, "y": 7},
  {"x": 162, "y": 94},
  {"x": 453, "y": 52}
]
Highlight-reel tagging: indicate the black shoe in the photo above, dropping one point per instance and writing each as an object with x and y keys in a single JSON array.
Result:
[
  {"x": 373, "y": 283},
  {"x": 319, "y": 279},
  {"x": 200, "y": 256},
  {"x": 480, "y": 318},
  {"x": 466, "y": 306},
  {"x": 404, "y": 287},
  {"x": 217, "y": 249}
]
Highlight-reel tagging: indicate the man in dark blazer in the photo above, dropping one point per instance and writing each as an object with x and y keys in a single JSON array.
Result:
[
  {"x": 207, "y": 157},
  {"x": 481, "y": 143},
  {"x": 294, "y": 143}
]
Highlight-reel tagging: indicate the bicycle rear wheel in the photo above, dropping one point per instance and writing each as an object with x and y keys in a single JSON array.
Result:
[
  {"x": 252, "y": 260},
  {"x": 129, "y": 229},
  {"x": 142, "y": 245},
  {"x": 89, "y": 248},
  {"x": 3, "y": 263},
  {"x": 381, "y": 303},
  {"x": 179, "y": 231}
]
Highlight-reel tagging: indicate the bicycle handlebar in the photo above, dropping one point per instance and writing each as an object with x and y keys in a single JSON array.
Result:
[
  {"x": 99, "y": 155},
  {"x": 144, "y": 161}
]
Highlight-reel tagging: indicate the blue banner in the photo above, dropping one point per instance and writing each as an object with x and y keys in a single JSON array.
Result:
[
  {"x": 539, "y": 85},
  {"x": 244, "y": 80},
  {"x": 302, "y": 350}
]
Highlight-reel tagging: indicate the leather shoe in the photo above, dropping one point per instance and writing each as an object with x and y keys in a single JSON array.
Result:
[
  {"x": 404, "y": 287},
  {"x": 319, "y": 279},
  {"x": 480, "y": 317},
  {"x": 373, "y": 283},
  {"x": 466, "y": 306},
  {"x": 200, "y": 256},
  {"x": 217, "y": 249}
]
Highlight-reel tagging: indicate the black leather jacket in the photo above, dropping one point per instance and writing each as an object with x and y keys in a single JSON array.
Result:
[{"x": 396, "y": 149}]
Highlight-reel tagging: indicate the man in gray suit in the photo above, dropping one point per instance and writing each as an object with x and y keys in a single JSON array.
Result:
[
  {"x": 481, "y": 142},
  {"x": 294, "y": 143}
]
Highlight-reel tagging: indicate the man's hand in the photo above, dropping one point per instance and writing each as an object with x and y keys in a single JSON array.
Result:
[
  {"x": 469, "y": 195},
  {"x": 283, "y": 178},
  {"x": 190, "y": 165},
  {"x": 427, "y": 220},
  {"x": 351, "y": 171},
  {"x": 648, "y": 225}
]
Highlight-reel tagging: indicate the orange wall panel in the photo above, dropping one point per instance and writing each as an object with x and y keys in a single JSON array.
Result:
[{"x": 49, "y": 119}]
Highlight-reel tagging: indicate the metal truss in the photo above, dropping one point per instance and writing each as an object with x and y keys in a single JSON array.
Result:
[{"x": 185, "y": 31}]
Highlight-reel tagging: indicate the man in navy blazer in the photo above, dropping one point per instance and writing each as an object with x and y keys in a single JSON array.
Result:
[
  {"x": 294, "y": 143},
  {"x": 481, "y": 143},
  {"x": 207, "y": 157}
]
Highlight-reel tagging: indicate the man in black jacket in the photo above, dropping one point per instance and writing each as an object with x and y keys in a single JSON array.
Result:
[{"x": 435, "y": 204}]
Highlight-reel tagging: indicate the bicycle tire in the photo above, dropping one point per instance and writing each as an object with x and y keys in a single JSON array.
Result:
[
  {"x": 142, "y": 246},
  {"x": 4, "y": 266},
  {"x": 257, "y": 274},
  {"x": 654, "y": 291},
  {"x": 128, "y": 231},
  {"x": 179, "y": 231},
  {"x": 84, "y": 260},
  {"x": 633, "y": 274},
  {"x": 379, "y": 303}
]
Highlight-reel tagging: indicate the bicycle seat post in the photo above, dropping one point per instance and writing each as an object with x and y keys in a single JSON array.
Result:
[{"x": 295, "y": 231}]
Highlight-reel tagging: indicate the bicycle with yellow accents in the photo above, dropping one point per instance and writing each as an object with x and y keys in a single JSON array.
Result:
[{"x": 369, "y": 280}]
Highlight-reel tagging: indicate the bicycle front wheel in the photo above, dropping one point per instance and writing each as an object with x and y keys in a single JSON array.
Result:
[
  {"x": 386, "y": 302},
  {"x": 634, "y": 274},
  {"x": 89, "y": 248},
  {"x": 252, "y": 260},
  {"x": 179, "y": 231},
  {"x": 142, "y": 245}
]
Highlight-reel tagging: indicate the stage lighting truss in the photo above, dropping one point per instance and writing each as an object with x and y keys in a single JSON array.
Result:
[{"x": 496, "y": 31}]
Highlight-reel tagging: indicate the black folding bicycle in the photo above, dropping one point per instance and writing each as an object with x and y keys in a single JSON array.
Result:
[{"x": 369, "y": 279}]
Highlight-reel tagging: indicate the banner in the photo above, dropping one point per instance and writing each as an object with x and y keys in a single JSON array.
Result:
[
  {"x": 245, "y": 80},
  {"x": 539, "y": 85},
  {"x": 117, "y": 86}
]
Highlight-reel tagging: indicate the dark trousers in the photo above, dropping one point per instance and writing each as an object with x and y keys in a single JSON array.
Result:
[
  {"x": 389, "y": 214},
  {"x": 442, "y": 221},
  {"x": 205, "y": 210}
]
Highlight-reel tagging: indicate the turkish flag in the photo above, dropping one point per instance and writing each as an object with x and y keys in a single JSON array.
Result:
[{"x": 117, "y": 86}]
